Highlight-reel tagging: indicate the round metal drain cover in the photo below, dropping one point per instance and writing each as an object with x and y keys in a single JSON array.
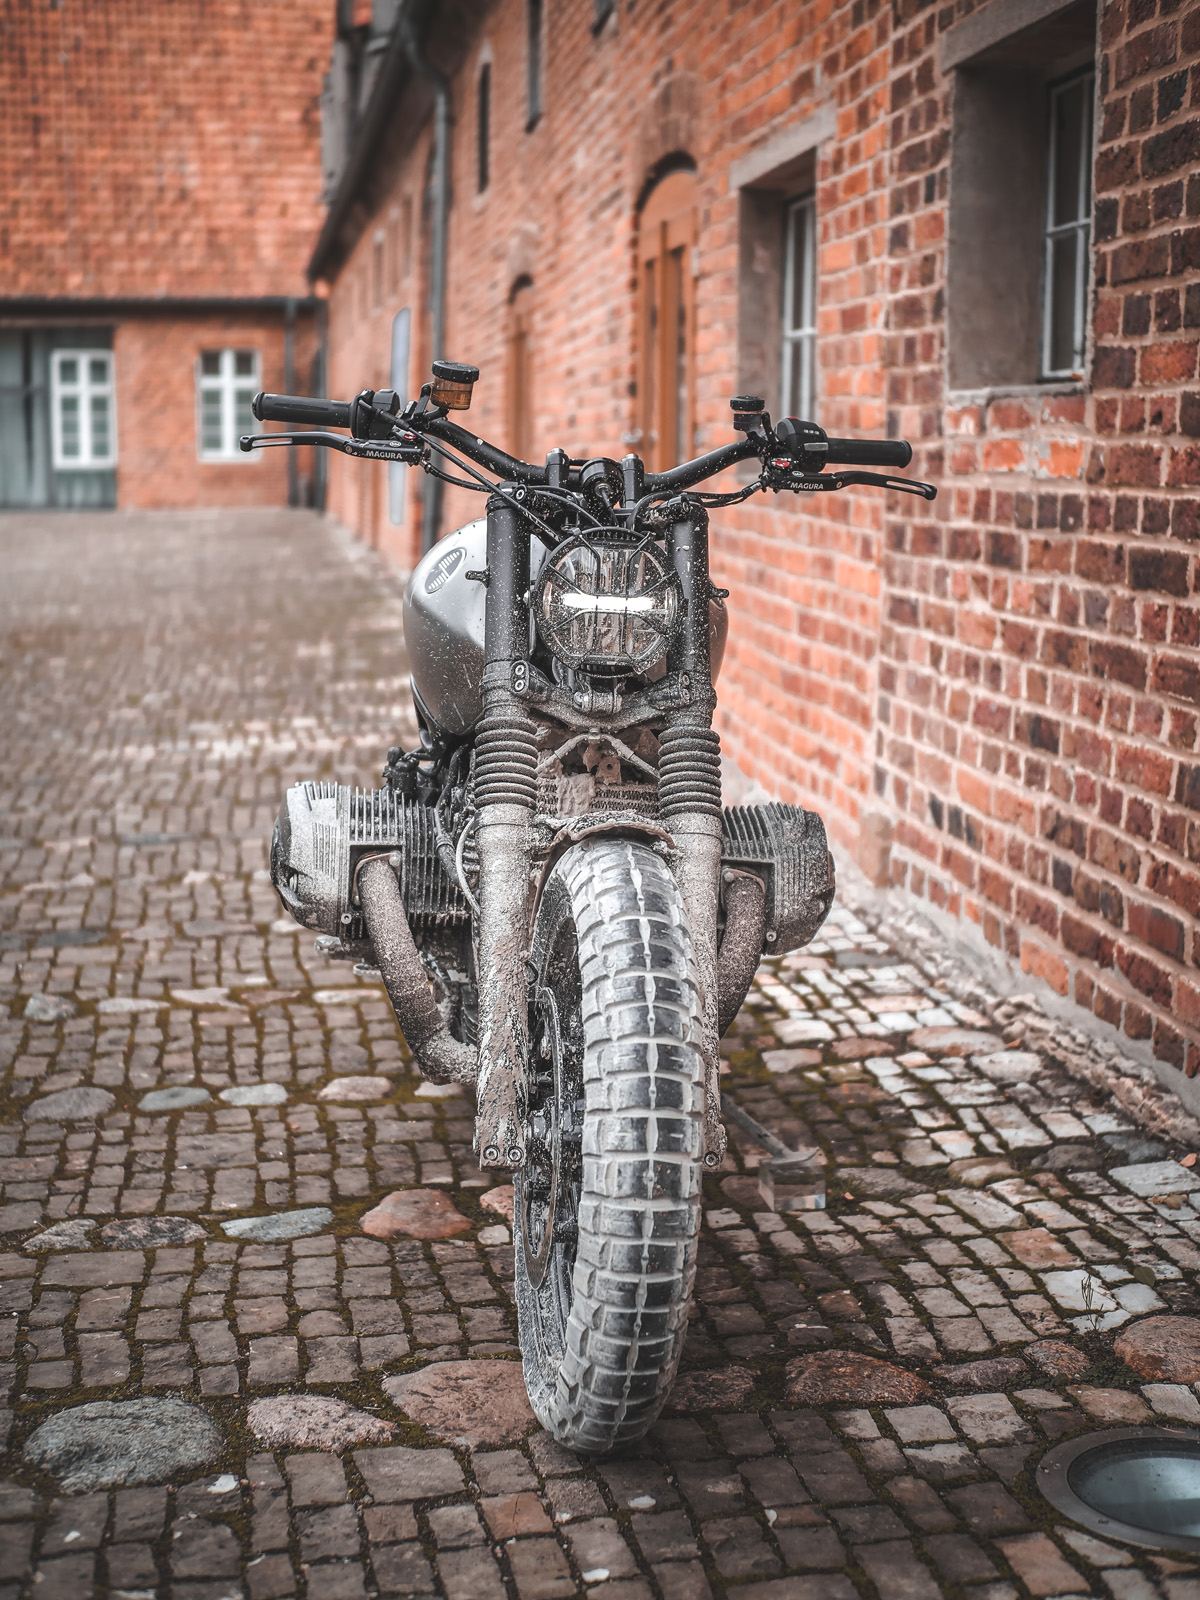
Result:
[{"x": 1139, "y": 1485}]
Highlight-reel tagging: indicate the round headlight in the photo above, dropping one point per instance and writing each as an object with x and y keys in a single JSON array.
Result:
[{"x": 607, "y": 607}]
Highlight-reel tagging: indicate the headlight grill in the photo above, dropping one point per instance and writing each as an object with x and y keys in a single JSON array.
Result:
[{"x": 610, "y": 608}]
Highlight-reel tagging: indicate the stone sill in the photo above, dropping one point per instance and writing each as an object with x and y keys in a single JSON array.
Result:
[{"x": 957, "y": 399}]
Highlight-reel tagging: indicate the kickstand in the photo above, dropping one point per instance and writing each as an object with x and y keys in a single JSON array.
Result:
[{"x": 791, "y": 1180}]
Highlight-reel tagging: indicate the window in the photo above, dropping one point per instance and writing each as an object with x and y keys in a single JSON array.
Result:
[
  {"x": 1019, "y": 236},
  {"x": 666, "y": 236},
  {"x": 393, "y": 251},
  {"x": 798, "y": 358},
  {"x": 83, "y": 410},
  {"x": 777, "y": 274},
  {"x": 520, "y": 370},
  {"x": 406, "y": 233},
  {"x": 226, "y": 381},
  {"x": 398, "y": 379},
  {"x": 533, "y": 24},
  {"x": 483, "y": 117},
  {"x": 1068, "y": 227}
]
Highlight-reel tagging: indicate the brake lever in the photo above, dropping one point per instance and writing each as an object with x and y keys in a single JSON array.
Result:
[
  {"x": 407, "y": 449},
  {"x": 808, "y": 483}
]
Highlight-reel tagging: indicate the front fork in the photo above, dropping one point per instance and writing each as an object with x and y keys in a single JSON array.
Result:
[
  {"x": 689, "y": 783},
  {"x": 689, "y": 793},
  {"x": 505, "y": 796}
]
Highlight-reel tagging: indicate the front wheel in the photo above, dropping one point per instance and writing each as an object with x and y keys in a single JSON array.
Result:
[{"x": 607, "y": 1212}]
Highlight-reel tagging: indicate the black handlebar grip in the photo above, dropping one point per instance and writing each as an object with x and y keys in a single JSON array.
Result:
[
  {"x": 886, "y": 453},
  {"x": 301, "y": 408}
]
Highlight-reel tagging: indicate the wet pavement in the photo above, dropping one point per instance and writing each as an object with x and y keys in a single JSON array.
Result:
[{"x": 220, "y": 1383}]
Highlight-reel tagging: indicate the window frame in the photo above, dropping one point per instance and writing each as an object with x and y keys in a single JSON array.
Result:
[
  {"x": 225, "y": 383},
  {"x": 1080, "y": 226},
  {"x": 84, "y": 389},
  {"x": 804, "y": 335},
  {"x": 535, "y": 100}
]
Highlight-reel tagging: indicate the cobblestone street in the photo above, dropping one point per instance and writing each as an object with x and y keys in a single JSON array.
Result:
[{"x": 199, "y": 1113}]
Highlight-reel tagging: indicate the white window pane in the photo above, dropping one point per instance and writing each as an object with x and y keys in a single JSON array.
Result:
[
  {"x": 243, "y": 419},
  {"x": 799, "y": 310},
  {"x": 101, "y": 449},
  {"x": 210, "y": 363},
  {"x": 798, "y": 244},
  {"x": 68, "y": 370},
  {"x": 243, "y": 363},
  {"x": 69, "y": 414},
  {"x": 1069, "y": 126},
  {"x": 211, "y": 440},
  {"x": 1062, "y": 287},
  {"x": 1068, "y": 234},
  {"x": 98, "y": 371}
]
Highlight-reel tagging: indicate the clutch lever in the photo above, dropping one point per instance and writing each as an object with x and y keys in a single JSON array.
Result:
[
  {"x": 407, "y": 448},
  {"x": 811, "y": 482}
]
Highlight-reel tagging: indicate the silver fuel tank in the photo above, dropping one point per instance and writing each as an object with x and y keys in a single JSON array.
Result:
[{"x": 443, "y": 627}]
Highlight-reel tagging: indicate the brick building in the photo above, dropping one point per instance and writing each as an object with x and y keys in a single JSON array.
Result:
[
  {"x": 975, "y": 226},
  {"x": 160, "y": 188}
]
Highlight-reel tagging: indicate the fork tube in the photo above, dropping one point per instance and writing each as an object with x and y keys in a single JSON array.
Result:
[
  {"x": 689, "y": 787},
  {"x": 505, "y": 795}
]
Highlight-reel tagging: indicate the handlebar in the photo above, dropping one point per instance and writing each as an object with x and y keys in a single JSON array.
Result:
[
  {"x": 794, "y": 452},
  {"x": 869, "y": 453},
  {"x": 300, "y": 408}
]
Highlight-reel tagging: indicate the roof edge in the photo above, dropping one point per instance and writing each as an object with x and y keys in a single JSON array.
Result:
[
  {"x": 113, "y": 305},
  {"x": 389, "y": 79}
]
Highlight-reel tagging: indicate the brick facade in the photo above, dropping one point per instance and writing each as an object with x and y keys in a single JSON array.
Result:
[
  {"x": 1005, "y": 685},
  {"x": 160, "y": 186},
  {"x": 159, "y": 466}
]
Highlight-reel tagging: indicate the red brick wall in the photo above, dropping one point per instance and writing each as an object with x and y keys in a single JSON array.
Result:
[
  {"x": 1011, "y": 677},
  {"x": 1039, "y": 677},
  {"x": 161, "y": 148},
  {"x": 158, "y": 463}
]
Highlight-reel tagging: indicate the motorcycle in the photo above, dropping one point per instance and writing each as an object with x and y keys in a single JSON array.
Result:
[{"x": 562, "y": 913}]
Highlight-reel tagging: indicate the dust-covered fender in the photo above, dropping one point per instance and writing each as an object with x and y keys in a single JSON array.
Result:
[{"x": 597, "y": 825}]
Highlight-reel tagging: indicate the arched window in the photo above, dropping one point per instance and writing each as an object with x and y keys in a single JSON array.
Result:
[
  {"x": 483, "y": 118},
  {"x": 520, "y": 369},
  {"x": 666, "y": 343}
]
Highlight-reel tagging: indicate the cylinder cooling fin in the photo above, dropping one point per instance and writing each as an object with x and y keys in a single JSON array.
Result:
[
  {"x": 324, "y": 830},
  {"x": 787, "y": 847}
]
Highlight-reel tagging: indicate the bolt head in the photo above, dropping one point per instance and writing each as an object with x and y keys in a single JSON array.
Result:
[
  {"x": 516, "y": 1155},
  {"x": 491, "y": 1153}
]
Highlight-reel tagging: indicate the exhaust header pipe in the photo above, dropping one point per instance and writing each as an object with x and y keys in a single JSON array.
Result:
[{"x": 441, "y": 1057}]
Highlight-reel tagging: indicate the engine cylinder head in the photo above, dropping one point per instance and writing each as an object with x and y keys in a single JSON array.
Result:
[
  {"x": 322, "y": 833},
  {"x": 786, "y": 846}
]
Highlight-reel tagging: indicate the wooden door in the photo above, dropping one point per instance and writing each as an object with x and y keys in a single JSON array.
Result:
[{"x": 666, "y": 351}]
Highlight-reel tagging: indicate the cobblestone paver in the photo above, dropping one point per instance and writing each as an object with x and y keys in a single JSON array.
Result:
[{"x": 993, "y": 1221}]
